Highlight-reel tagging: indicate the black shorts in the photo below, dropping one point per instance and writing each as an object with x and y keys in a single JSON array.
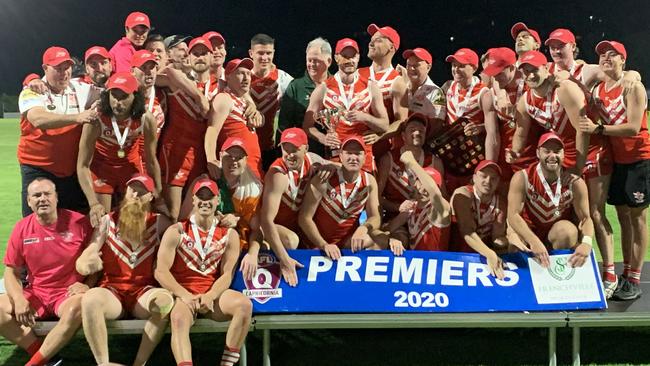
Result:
[{"x": 630, "y": 185}]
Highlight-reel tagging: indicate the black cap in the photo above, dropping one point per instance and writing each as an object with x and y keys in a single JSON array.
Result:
[{"x": 175, "y": 40}]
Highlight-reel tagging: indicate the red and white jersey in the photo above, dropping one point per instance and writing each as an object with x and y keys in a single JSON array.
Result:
[
  {"x": 236, "y": 125},
  {"x": 292, "y": 197},
  {"x": 107, "y": 146},
  {"x": 337, "y": 215},
  {"x": 198, "y": 256},
  {"x": 267, "y": 92},
  {"x": 384, "y": 80},
  {"x": 575, "y": 71},
  {"x": 342, "y": 97},
  {"x": 185, "y": 125},
  {"x": 544, "y": 205},
  {"x": 612, "y": 110},
  {"x": 426, "y": 234},
  {"x": 465, "y": 103},
  {"x": 125, "y": 267},
  {"x": 485, "y": 214},
  {"x": 400, "y": 185},
  {"x": 428, "y": 99},
  {"x": 156, "y": 104}
]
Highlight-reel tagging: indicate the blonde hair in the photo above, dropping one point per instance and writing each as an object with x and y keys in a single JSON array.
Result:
[{"x": 132, "y": 221}]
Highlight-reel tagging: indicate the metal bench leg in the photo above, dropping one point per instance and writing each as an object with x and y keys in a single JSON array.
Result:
[
  {"x": 552, "y": 340},
  {"x": 243, "y": 358},
  {"x": 576, "y": 346},
  {"x": 266, "y": 348}
]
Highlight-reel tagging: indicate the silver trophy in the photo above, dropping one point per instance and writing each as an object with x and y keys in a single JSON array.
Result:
[{"x": 329, "y": 118}]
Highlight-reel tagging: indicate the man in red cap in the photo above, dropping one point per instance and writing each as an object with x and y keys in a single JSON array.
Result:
[
  {"x": 624, "y": 120},
  {"x": 124, "y": 249},
  {"x": 507, "y": 88},
  {"x": 108, "y": 153},
  {"x": 426, "y": 214},
  {"x": 99, "y": 66},
  {"x": 219, "y": 53},
  {"x": 46, "y": 245},
  {"x": 181, "y": 153},
  {"x": 268, "y": 84},
  {"x": 479, "y": 216},
  {"x": 384, "y": 43},
  {"x": 50, "y": 129},
  {"x": 347, "y": 105},
  {"x": 526, "y": 39},
  {"x": 559, "y": 108},
  {"x": 469, "y": 99},
  {"x": 229, "y": 118},
  {"x": 329, "y": 216},
  {"x": 424, "y": 96},
  {"x": 396, "y": 183},
  {"x": 196, "y": 263},
  {"x": 285, "y": 185},
  {"x": 136, "y": 27},
  {"x": 542, "y": 202}
]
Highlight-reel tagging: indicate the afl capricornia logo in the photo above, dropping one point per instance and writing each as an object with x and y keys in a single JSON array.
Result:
[{"x": 265, "y": 282}]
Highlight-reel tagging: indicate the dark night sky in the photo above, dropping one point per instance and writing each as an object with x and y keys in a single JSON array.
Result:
[{"x": 28, "y": 27}]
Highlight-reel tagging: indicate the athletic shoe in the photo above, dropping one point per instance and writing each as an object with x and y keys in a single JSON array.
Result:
[
  {"x": 628, "y": 291},
  {"x": 609, "y": 287}
]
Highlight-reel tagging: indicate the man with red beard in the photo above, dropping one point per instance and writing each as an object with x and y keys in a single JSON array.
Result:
[
  {"x": 329, "y": 216},
  {"x": 396, "y": 183},
  {"x": 228, "y": 118},
  {"x": 136, "y": 27},
  {"x": 268, "y": 84},
  {"x": 108, "y": 154},
  {"x": 468, "y": 99},
  {"x": 196, "y": 262},
  {"x": 285, "y": 185},
  {"x": 181, "y": 153},
  {"x": 353, "y": 106},
  {"x": 507, "y": 88},
  {"x": 479, "y": 216},
  {"x": 384, "y": 43},
  {"x": 526, "y": 39},
  {"x": 124, "y": 249},
  {"x": 559, "y": 108},
  {"x": 219, "y": 53},
  {"x": 542, "y": 202}
]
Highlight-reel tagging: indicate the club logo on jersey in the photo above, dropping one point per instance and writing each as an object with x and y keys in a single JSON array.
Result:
[
  {"x": 264, "y": 285},
  {"x": 67, "y": 236},
  {"x": 561, "y": 270},
  {"x": 639, "y": 197},
  {"x": 30, "y": 241}
]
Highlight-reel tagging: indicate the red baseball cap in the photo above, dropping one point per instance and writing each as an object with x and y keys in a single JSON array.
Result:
[
  {"x": 346, "y": 42},
  {"x": 464, "y": 56},
  {"x": 549, "y": 136},
  {"x": 488, "y": 164},
  {"x": 420, "y": 53},
  {"x": 97, "y": 50},
  {"x": 603, "y": 46},
  {"x": 294, "y": 136},
  {"x": 386, "y": 31},
  {"x": 498, "y": 59},
  {"x": 212, "y": 34},
  {"x": 520, "y": 27},
  {"x": 199, "y": 41},
  {"x": 533, "y": 58},
  {"x": 433, "y": 173},
  {"x": 206, "y": 183},
  {"x": 54, "y": 56},
  {"x": 562, "y": 35},
  {"x": 137, "y": 18},
  {"x": 141, "y": 57},
  {"x": 236, "y": 63},
  {"x": 143, "y": 179},
  {"x": 234, "y": 142},
  {"x": 356, "y": 139},
  {"x": 125, "y": 81}
]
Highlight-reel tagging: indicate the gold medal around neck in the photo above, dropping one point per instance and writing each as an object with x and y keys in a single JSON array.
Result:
[{"x": 121, "y": 154}]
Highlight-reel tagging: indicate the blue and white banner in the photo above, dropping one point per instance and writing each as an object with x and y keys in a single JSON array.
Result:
[{"x": 379, "y": 282}]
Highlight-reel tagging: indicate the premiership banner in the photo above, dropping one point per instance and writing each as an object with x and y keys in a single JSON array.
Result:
[{"x": 379, "y": 282}]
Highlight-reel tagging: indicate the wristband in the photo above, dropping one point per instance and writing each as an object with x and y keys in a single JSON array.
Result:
[{"x": 586, "y": 239}]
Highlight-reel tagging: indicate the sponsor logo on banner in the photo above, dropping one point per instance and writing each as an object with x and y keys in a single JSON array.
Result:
[
  {"x": 266, "y": 281},
  {"x": 561, "y": 283}
]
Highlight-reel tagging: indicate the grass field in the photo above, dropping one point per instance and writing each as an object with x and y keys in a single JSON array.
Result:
[{"x": 343, "y": 347}]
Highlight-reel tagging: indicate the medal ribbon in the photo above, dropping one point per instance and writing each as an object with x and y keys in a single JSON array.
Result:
[
  {"x": 461, "y": 107},
  {"x": 383, "y": 78},
  {"x": 346, "y": 200},
  {"x": 202, "y": 249},
  {"x": 119, "y": 136},
  {"x": 555, "y": 198},
  {"x": 346, "y": 99}
]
